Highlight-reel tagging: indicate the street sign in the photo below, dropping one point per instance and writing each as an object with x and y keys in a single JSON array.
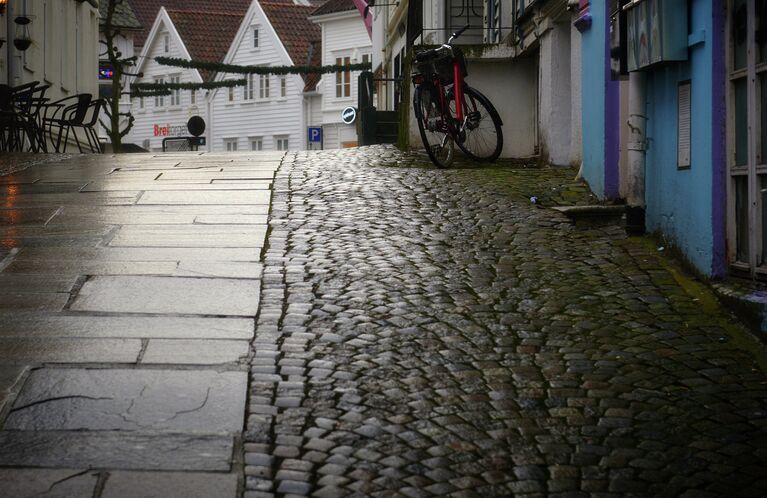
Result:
[
  {"x": 349, "y": 115},
  {"x": 315, "y": 134}
]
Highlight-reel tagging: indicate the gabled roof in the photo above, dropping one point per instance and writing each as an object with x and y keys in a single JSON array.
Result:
[
  {"x": 334, "y": 6},
  {"x": 300, "y": 36},
  {"x": 146, "y": 11},
  {"x": 124, "y": 17},
  {"x": 206, "y": 35}
]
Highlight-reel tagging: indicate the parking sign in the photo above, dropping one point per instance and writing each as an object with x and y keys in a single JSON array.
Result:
[{"x": 315, "y": 134}]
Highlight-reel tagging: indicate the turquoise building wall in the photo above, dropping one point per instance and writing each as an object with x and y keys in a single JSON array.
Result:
[
  {"x": 681, "y": 203},
  {"x": 686, "y": 206}
]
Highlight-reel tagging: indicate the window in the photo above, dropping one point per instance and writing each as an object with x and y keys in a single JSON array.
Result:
[
  {"x": 247, "y": 91},
  {"x": 166, "y": 43},
  {"x": 281, "y": 143},
  {"x": 175, "y": 95},
  {"x": 159, "y": 100},
  {"x": 231, "y": 94},
  {"x": 231, "y": 144},
  {"x": 492, "y": 21},
  {"x": 256, "y": 143},
  {"x": 283, "y": 86},
  {"x": 263, "y": 87},
  {"x": 343, "y": 79},
  {"x": 255, "y": 37},
  {"x": 141, "y": 102},
  {"x": 193, "y": 97}
]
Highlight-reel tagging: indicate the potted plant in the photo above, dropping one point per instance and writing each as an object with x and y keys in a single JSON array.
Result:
[{"x": 22, "y": 40}]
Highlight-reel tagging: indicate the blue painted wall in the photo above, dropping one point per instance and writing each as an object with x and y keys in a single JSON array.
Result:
[
  {"x": 679, "y": 202},
  {"x": 593, "y": 42}
]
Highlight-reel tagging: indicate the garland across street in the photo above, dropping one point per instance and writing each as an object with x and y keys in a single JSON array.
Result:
[{"x": 157, "y": 89}]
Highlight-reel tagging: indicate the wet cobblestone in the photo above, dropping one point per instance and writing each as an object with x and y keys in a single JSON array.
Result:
[{"x": 434, "y": 333}]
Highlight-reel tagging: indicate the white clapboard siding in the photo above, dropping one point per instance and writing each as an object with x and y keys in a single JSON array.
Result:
[
  {"x": 264, "y": 118},
  {"x": 173, "y": 116},
  {"x": 343, "y": 35}
]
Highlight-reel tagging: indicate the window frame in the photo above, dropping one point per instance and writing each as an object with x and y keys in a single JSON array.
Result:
[{"x": 343, "y": 78}]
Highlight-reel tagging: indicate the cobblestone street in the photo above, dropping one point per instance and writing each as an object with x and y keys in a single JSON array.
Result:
[
  {"x": 354, "y": 323},
  {"x": 433, "y": 333}
]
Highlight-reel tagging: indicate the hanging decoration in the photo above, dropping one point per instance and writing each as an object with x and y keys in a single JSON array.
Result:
[
  {"x": 277, "y": 70},
  {"x": 158, "y": 89}
]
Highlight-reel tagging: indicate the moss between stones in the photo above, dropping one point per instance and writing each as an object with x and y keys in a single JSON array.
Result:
[{"x": 709, "y": 305}]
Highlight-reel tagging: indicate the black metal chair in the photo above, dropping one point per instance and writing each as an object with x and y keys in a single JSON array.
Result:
[{"x": 63, "y": 116}]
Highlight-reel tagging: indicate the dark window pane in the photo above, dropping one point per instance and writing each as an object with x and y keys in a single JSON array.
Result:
[
  {"x": 739, "y": 33},
  {"x": 763, "y": 113},
  {"x": 741, "y": 218},
  {"x": 761, "y": 30},
  {"x": 741, "y": 122},
  {"x": 763, "y": 196}
]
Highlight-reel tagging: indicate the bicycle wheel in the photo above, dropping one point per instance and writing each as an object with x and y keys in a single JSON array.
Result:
[
  {"x": 434, "y": 131},
  {"x": 482, "y": 138}
]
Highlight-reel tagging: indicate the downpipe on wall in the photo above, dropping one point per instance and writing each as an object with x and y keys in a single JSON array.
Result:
[{"x": 636, "y": 153}]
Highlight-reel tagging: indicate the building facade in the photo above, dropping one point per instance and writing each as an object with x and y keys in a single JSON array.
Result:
[
  {"x": 656, "y": 136},
  {"x": 63, "y": 46},
  {"x": 345, "y": 40}
]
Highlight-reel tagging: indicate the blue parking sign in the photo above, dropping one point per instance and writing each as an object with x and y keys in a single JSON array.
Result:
[{"x": 315, "y": 134}]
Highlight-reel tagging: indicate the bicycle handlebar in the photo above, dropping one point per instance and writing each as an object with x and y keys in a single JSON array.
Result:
[{"x": 457, "y": 34}]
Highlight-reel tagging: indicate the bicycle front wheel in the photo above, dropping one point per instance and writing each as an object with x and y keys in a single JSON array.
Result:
[
  {"x": 482, "y": 137},
  {"x": 435, "y": 133}
]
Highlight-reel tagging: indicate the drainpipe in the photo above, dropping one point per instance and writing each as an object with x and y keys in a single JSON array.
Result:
[{"x": 637, "y": 153}]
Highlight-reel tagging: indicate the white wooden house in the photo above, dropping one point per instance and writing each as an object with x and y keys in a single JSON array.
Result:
[
  {"x": 271, "y": 112},
  {"x": 185, "y": 35},
  {"x": 344, "y": 41}
]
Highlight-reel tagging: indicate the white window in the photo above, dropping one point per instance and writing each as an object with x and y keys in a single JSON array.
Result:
[
  {"x": 256, "y": 143},
  {"x": 141, "y": 102},
  {"x": 283, "y": 86},
  {"x": 159, "y": 100},
  {"x": 343, "y": 79},
  {"x": 175, "y": 94},
  {"x": 231, "y": 94},
  {"x": 166, "y": 43},
  {"x": 281, "y": 143},
  {"x": 255, "y": 37},
  {"x": 231, "y": 144},
  {"x": 263, "y": 86},
  {"x": 248, "y": 88},
  {"x": 193, "y": 97}
]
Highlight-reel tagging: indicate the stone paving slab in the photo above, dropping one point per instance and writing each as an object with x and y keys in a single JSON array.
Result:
[
  {"x": 36, "y": 325},
  {"x": 9, "y": 377},
  {"x": 213, "y": 269},
  {"x": 48, "y": 483},
  {"x": 187, "y": 401},
  {"x": 84, "y": 267},
  {"x": 194, "y": 296},
  {"x": 56, "y": 350},
  {"x": 236, "y": 197},
  {"x": 221, "y": 254},
  {"x": 189, "y": 236},
  {"x": 28, "y": 216},
  {"x": 28, "y": 282},
  {"x": 169, "y": 485},
  {"x": 33, "y": 300},
  {"x": 116, "y": 186},
  {"x": 194, "y": 352},
  {"x": 115, "y": 450},
  {"x": 84, "y": 199}
]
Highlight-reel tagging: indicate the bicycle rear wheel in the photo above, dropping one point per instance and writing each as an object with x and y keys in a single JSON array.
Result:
[
  {"x": 431, "y": 123},
  {"x": 482, "y": 137}
]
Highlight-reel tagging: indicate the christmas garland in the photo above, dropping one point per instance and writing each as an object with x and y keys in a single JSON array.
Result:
[
  {"x": 208, "y": 85},
  {"x": 278, "y": 70}
]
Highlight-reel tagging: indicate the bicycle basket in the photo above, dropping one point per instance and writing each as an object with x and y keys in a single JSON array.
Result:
[{"x": 442, "y": 65}]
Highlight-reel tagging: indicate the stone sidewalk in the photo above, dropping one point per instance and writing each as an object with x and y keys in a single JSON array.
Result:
[
  {"x": 388, "y": 330},
  {"x": 432, "y": 333},
  {"x": 128, "y": 290}
]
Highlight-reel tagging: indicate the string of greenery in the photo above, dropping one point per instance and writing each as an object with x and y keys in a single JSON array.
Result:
[
  {"x": 208, "y": 85},
  {"x": 278, "y": 70}
]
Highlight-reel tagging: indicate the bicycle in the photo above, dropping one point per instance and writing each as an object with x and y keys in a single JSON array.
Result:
[{"x": 449, "y": 111}]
